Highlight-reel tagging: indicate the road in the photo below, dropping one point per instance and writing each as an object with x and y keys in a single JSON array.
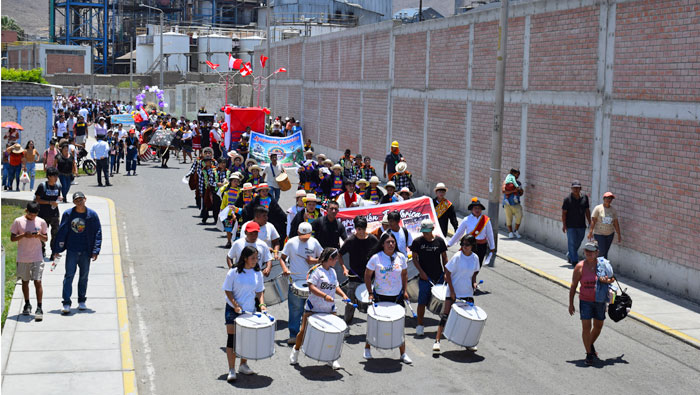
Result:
[{"x": 174, "y": 269}]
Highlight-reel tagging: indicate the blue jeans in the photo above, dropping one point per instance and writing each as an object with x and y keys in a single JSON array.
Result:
[
  {"x": 76, "y": 260},
  {"x": 131, "y": 155},
  {"x": 112, "y": 163},
  {"x": 275, "y": 193},
  {"x": 31, "y": 170},
  {"x": 14, "y": 173},
  {"x": 604, "y": 243},
  {"x": 575, "y": 237},
  {"x": 5, "y": 173},
  {"x": 295, "y": 305},
  {"x": 65, "y": 180}
]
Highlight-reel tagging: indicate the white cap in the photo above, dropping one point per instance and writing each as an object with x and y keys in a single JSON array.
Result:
[{"x": 304, "y": 228}]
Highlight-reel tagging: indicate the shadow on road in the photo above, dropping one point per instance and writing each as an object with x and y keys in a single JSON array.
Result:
[
  {"x": 249, "y": 382},
  {"x": 383, "y": 365},
  {"x": 599, "y": 363},
  {"x": 461, "y": 356},
  {"x": 318, "y": 372}
]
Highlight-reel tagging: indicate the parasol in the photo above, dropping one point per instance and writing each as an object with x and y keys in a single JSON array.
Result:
[{"x": 12, "y": 125}]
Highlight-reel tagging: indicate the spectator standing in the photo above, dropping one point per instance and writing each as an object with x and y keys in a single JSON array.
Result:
[
  {"x": 512, "y": 190},
  {"x": 49, "y": 158},
  {"x": 29, "y": 231},
  {"x": 575, "y": 212},
  {"x": 31, "y": 155},
  {"x": 604, "y": 224},
  {"x": 80, "y": 235},
  {"x": 100, "y": 152},
  {"x": 16, "y": 160}
]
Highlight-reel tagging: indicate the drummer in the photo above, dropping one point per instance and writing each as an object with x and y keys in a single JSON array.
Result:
[
  {"x": 390, "y": 281},
  {"x": 302, "y": 251},
  {"x": 323, "y": 284},
  {"x": 358, "y": 246},
  {"x": 460, "y": 277},
  {"x": 271, "y": 171},
  {"x": 429, "y": 256},
  {"x": 244, "y": 289}
]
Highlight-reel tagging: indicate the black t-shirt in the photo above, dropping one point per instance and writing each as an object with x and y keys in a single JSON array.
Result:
[
  {"x": 359, "y": 250},
  {"x": 80, "y": 129},
  {"x": 429, "y": 256},
  {"x": 327, "y": 232},
  {"x": 64, "y": 165},
  {"x": 48, "y": 193},
  {"x": 576, "y": 211}
]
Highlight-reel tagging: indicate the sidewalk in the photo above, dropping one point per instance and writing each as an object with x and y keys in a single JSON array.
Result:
[
  {"x": 670, "y": 314},
  {"x": 86, "y": 352}
]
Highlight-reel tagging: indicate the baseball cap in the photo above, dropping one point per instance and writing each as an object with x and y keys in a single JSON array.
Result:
[
  {"x": 304, "y": 228},
  {"x": 78, "y": 195},
  {"x": 608, "y": 194},
  {"x": 576, "y": 184},
  {"x": 591, "y": 246},
  {"x": 252, "y": 227},
  {"x": 427, "y": 225}
]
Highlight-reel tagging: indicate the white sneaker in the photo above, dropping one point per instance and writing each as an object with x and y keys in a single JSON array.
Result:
[
  {"x": 436, "y": 347},
  {"x": 335, "y": 365},
  {"x": 472, "y": 348},
  {"x": 420, "y": 330},
  {"x": 245, "y": 369},
  {"x": 294, "y": 357},
  {"x": 511, "y": 235},
  {"x": 405, "y": 359},
  {"x": 66, "y": 309},
  {"x": 82, "y": 306},
  {"x": 517, "y": 234},
  {"x": 368, "y": 354},
  {"x": 292, "y": 341},
  {"x": 231, "y": 375}
]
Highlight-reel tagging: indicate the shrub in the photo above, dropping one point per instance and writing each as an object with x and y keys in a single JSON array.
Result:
[{"x": 33, "y": 75}]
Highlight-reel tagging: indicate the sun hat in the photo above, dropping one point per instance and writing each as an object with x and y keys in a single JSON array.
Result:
[
  {"x": 262, "y": 186},
  {"x": 249, "y": 161},
  {"x": 406, "y": 190},
  {"x": 475, "y": 202},
  {"x": 374, "y": 180},
  {"x": 300, "y": 193},
  {"x": 327, "y": 161},
  {"x": 248, "y": 187},
  {"x": 233, "y": 155},
  {"x": 17, "y": 149},
  {"x": 440, "y": 186},
  {"x": 310, "y": 197},
  {"x": 401, "y": 167},
  {"x": 390, "y": 184},
  {"x": 362, "y": 181},
  {"x": 336, "y": 166},
  {"x": 255, "y": 167}
]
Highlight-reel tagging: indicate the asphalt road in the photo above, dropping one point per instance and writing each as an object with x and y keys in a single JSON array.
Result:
[{"x": 174, "y": 269}]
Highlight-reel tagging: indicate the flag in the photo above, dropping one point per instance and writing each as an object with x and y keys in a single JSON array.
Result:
[
  {"x": 263, "y": 59},
  {"x": 246, "y": 69},
  {"x": 211, "y": 65},
  {"x": 281, "y": 70},
  {"x": 234, "y": 63}
]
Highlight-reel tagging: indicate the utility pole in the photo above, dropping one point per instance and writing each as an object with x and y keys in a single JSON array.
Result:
[
  {"x": 420, "y": 11},
  {"x": 497, "y": 133},
  {"x": 161, "y": 40},
  {"x": 267, "y": 39},
  {"x": 131, "y": 67}
]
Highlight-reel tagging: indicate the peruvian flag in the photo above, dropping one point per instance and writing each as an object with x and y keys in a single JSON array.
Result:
[
  {"x": 211, "y": 65},
  {"x": 281, "y": 70},
  {"x": 263, "y": 59},
  {"x": 246, "y": 69},
  {"x": 234, "y": 63}
]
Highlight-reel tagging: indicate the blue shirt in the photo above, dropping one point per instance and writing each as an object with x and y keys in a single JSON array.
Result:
[
  {"x": 100, "y": 150},
  {"x": 603, "y": 268}
]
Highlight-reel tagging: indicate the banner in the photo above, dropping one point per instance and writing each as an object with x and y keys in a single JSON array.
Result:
[
  {"x": 412, "y": 211},
  {"x": 124, "y": 119},
  {"x": 289, "y": 150},
  {"x": 238, "y": 119}
]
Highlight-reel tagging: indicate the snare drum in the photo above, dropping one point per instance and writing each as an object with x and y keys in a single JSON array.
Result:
[
  {"x": 362, "y": 298},
  {"x": 276, "y": 287},
  {"x": 255, "y": 336},
  {"x": 323, "y": 340},
  {"x": 301, "y": 289},
  {"x": 465, "y": 324},
  {"x": 385, "y": 324},
  {"x": 437, "y": 299},
  {"x": 412, "y": 286}
]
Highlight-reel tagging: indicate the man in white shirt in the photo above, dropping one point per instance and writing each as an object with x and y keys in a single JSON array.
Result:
[
  {"x": 267, "y": 234},
  {"x": 271, "y": 171},
  {"x": 303, "y": 252},
  {"x": 251, "y": 239},
  {"x": 100, "y": 153},
  {"x": 402, "y": 235},
  {"x": 83, "y": 111},
  {"x": 478, "y": 225}
]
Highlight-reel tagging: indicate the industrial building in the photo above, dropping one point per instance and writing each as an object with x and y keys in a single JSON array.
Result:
[{"x": 52, "y": 58}]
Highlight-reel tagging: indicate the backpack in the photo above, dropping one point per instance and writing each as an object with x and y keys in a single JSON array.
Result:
[{"x": 621, "y": 306}]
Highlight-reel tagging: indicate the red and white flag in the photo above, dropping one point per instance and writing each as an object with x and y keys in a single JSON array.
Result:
[
  {"x": 211, "y": 65},
  {"x": 234, "y": 63},
  {"x": 263, "y": 59},
  {"x": 281, "y": 70},
  {"x": 246, "y": 70}
]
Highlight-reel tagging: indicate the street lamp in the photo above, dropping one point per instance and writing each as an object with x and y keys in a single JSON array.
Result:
[{"x": 161, "y": 40}]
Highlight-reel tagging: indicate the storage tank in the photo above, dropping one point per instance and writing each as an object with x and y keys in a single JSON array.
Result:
[
  {"x": 218, "y": 46},
  {"x": 175, "y": 45},
  {"x": 246, "y": 47},
  {"x": 143, "y": 55}
]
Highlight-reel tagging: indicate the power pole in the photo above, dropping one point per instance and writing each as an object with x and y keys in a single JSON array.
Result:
[
  {"x": 267, "y": 39},
  {"x": 420, "y": 11},
  {"x": 161, "y": 50},
  {"x": 131, "y": 67},
  {"x": 497, "y": 133}
]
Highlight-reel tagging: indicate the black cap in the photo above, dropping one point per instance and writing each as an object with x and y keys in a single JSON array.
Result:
[{"x": 78, "y": 195}]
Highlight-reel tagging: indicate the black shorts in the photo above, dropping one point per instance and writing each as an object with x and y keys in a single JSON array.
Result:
[{"x": 398, "y": 299}]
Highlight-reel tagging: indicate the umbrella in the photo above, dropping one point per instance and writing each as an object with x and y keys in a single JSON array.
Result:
[
  {"x": 161, "y": 138},
  {"x": 12, "y": 125}
]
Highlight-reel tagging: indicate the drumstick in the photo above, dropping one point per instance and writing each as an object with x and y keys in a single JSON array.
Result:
[
  {"x": 269, "y": 316},
  {"x": 251, "y": 313},
  {"x": 348, "y": 301},
  {"x": 408, "y": 302}
]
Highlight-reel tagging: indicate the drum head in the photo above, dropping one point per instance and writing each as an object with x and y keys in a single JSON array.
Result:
[
  {"x": 301, "y": 285},
  {"x": 439, "y": 291},
  {"x": 281, "y": 177},
  {"x": 143, "y": 148},
  {"x": 386, "y": 311},
  {"x": 361, "y": 293},
  {"x": 329, "y": 323},
  {"x": 254, "y": 321},
  {"x": 474, "y": 313}
]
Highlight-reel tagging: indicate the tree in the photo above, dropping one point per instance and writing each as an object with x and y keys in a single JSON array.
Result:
[
  {"x": 23, "y": 75},
  {"x": 11, "y": 24}
]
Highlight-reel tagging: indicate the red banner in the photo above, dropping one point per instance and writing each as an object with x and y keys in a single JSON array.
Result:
[{"x": 412, "y": 212}]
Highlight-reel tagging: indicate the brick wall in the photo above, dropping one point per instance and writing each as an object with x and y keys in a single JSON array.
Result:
[
  {"x": 59, "y": 63},
  {"x": 609, "y": 91}
]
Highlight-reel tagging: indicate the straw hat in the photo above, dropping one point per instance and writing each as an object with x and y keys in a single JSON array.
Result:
[
  {"x": 248, "y": 187},
  {"x": 390, "y": 184},
  {"x": 374, "y": 180},
  {"x": 362, "y": 181},
  {"x": 406, "y": 190},
  {"x": 249, "y": 161},
  {"x": 439, "y": 186},
  {"x": 235, "y": 175},
  {"x": 336, "y": 167},
  {"x": 255, "y": 167},
  {"x": 300, "y": 193},
  {"x": 17, "y": 149},
  {"x": 233, "y": 155},
  {"x": 262, "y": 186},
  {"x": 401, "y": 167},
  {"x": 311, "y": 197},
  {"x": 309, "y": 152},
  {"x": 327, "y": 161},
  {"x": 320, "y": 157}
]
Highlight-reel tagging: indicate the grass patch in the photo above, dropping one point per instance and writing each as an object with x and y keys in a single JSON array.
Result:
[
  {"x": 41, "y": 176},
  {"x": 9, "y": 213}
]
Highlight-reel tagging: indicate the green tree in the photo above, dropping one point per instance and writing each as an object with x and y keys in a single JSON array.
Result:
[
  {"x": 11, "y": 24},
  {"x": 23, "y": 75}
]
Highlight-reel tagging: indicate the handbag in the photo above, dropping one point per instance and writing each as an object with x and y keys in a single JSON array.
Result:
[{"x": 621, "y": 306}]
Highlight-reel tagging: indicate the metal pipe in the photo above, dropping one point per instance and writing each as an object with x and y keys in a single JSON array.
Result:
[
  {"x": 267, "y": 38},
  {"x": 161, "y": 40}
]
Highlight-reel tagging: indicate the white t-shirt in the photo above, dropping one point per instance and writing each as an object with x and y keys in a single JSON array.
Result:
[
  {"x": 326, "y": 281},
  {"x": 263, "y": 252},
  {"x": 244, "y": 285},
  {"x": 297, "y": 251},
  {"x": 291, "y": 213},
  {"x": 61, "y": 128},
  {"x": 401, "y": 242},
  {"x": 123, "y": 134},
  {"x": 84, "y": 112},
  {"x": 462, "y": 269},
  {"x": 267, "y": 233},
  {"x": 270, "y": 174},
  {"x": 100, "y": 130},
  {"x": 387, "y": 274}
]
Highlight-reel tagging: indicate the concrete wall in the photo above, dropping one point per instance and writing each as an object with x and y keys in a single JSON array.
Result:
[
  {"x": 29, "y": 104},
  {"x": 603, "y": 91}
]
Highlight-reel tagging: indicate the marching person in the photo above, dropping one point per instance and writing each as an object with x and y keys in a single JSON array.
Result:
[
  {"x": 309, "y": 173},
  {"x": 429, "y": 257},
  {"x": 263, "y": 199},
  {"x": 388, "y": 266},
  {"x": 251, "y": 240},
  {"x": 30, "y": 232},
  {"x": 270, "y": 172},
  {"x": 575, "y": 212},
  {"x": 373, "y": 193},
  {"x": 255, "y": 177},
  {"x": 323, "y": 285},
  {"x": 403, "y": 237},
  {"x": 208, "y": 190},
  {"x": 478, "y": 225},
  {"x": 268, "y": 234},
  {"x": 301, "y": 252},
  {"x": 328, "y": 229},
  {"x": 332, "y": 185},
  {"x": 349, "y": 198},
  {"x": 444, "y": 209},
  {"x": 132, "y": 152},
  {"x": 604, "y": 224},
  {"x": 391, "y": 196},
  {"x": 237, "y": 162},
  {"x": 402, "y": 178},
  {"x": 80, "y": 234},
  {"x": 229, "y": 195},
  {"x": 512, "y": 191},
  {"x": 215, "y": 139},
  {"x": 244, "y": 288},
  {"x": 299, "y": 196},
  {"x": 308, "y": 215},
  {"x": 460, "y": 276},
  {"x": 361, "y": 187},
  {"x": 359, "y": 246},
  {"x": 592, "y": 299},
  {"x": 366, "y": 170},
  {"x": 100, "y": 153},
  {"x": 405, "y": 193},
  {"x": 392, "y": 159}
]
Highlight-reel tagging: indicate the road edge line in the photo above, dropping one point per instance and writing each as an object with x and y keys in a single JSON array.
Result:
[
  {"x": 128, "y": 371},
  {"x": 636, "y": 316}
]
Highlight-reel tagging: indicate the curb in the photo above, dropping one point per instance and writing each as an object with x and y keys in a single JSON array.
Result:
[
  {"x": 128, "y": 372},
  {"x": 636, "y": 316}
]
